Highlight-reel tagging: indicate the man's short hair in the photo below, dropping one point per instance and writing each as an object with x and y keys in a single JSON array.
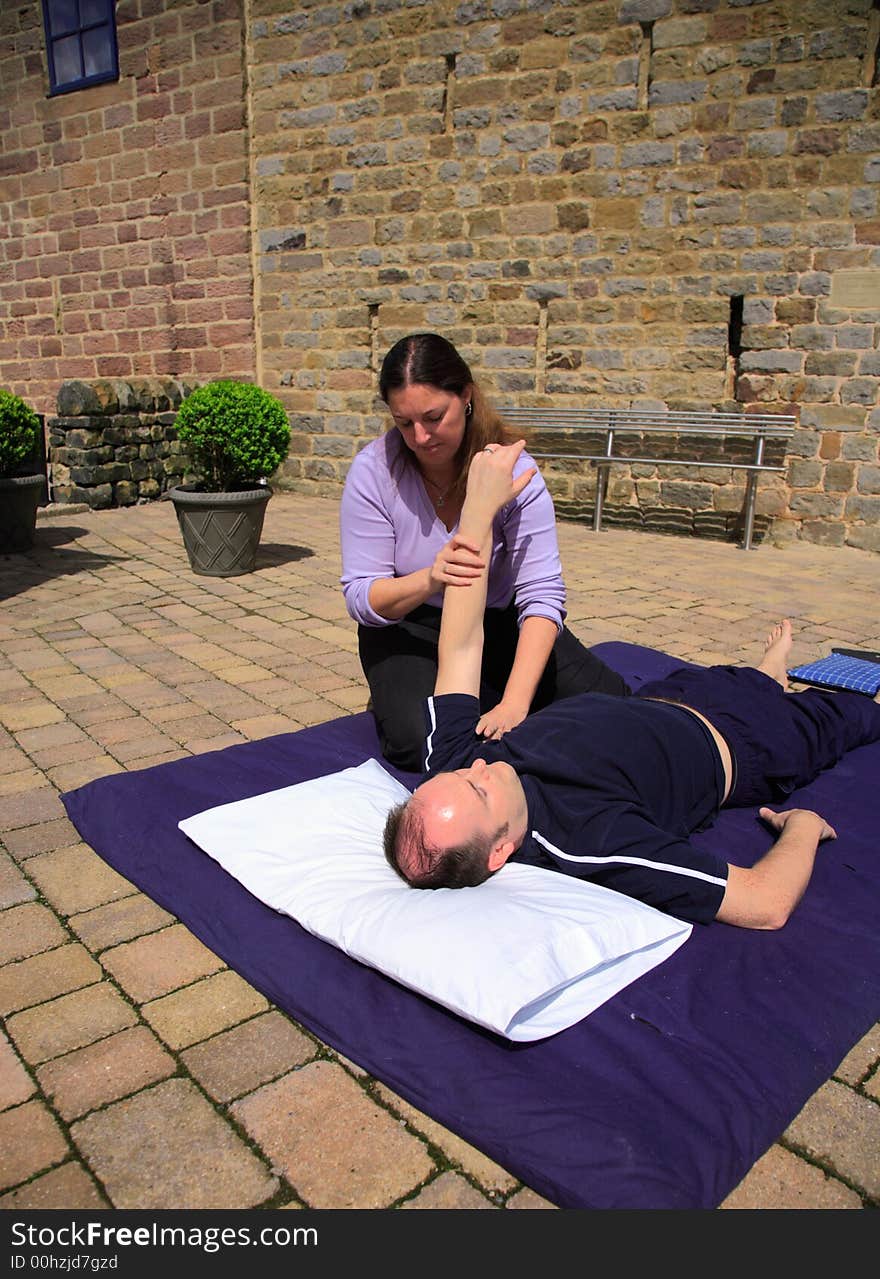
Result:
[{"x": 424, "y": 865}]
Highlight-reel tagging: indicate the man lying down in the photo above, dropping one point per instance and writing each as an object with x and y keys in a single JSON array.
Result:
[{"x": 610, "y": 788}]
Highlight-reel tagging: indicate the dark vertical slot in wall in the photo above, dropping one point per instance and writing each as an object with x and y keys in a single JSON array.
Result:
[
  {"x": 873, "y": 51},
  {"x": 735, "y": 326},
  {"x": 447, "y": 104},
  {"x": 541, "y": 349},
  {"x": 646, "y": 52},
  {"x": 373, "y": 311},
  {"x": 734, "y": 340}
]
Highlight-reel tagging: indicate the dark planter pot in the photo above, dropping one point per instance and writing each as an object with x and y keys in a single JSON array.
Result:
[
  {"x": 20, "y": 496},
  {"x": 221, "y": 531}
]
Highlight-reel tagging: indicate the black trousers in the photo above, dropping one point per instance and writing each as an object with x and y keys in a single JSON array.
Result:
[
  {"x": 400, "y": 663},
  {"x": 779, "y": 741}
]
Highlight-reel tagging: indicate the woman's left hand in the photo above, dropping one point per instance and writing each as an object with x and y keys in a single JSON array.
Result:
[{"x": 501, "y": 719}]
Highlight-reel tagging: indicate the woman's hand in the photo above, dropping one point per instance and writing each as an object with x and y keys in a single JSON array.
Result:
[
  {"x": 501, "y": 719},
  {"x": 457, "y": 563}
]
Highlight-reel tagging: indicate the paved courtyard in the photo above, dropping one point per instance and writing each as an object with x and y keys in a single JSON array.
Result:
[{"x": 137, "y": 1071}]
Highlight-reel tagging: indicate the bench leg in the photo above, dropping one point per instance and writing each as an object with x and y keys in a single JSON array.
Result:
[
  {"x": 601, "y": 481},
  {"x": 749, "y": 511},
  {"x": 751, "y": 492}
]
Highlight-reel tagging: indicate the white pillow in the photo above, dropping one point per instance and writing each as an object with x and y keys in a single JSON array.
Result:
[{"x": 525, "y": 954}]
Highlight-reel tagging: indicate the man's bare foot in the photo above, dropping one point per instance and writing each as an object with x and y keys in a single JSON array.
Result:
[{"x": 776, "y": 650}]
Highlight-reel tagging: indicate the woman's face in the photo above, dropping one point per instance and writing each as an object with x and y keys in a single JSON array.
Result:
[{"x": 432, "y": 422}]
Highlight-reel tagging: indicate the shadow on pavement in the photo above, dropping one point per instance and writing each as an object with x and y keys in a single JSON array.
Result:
[
  {"x": 57, "y": 534},
  {"x": 48, "y": 558},
  {"x": 271, "y": 554}
]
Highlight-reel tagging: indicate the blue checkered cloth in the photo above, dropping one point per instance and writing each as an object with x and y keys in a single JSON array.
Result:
[{"x": 837, "y": 671}]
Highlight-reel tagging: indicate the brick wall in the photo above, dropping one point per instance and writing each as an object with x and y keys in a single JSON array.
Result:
[
  {"x": 125, "y": 206},
  {"x": 579, "y": 195}
]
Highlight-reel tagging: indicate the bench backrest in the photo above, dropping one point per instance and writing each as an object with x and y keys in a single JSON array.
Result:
[{"x": 672, "y": 421}]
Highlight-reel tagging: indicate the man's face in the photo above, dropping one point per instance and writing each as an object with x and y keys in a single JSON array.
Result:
[{"x": 473, "y": 802}]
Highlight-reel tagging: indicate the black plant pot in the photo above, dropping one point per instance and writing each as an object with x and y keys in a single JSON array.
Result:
[
  {"x": 221, "y": 531},
  {"x": 20, "y": 496}
]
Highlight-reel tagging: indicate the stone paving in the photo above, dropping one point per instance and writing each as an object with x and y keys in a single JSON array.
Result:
[{"x": 136, "y": 1069}]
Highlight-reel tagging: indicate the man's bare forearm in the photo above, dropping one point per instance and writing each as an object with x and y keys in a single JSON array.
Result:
[
  {"x": 490, "y": 486},
  {"x": 765, "y": 895},
  {"x": 460, "y": 647}
]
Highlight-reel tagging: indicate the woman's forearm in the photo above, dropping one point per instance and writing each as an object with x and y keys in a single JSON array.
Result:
[
  {"x": 537, "y": 635},
  {"x": 459, "y": 563},
  {"x": 394, "y": 597}
]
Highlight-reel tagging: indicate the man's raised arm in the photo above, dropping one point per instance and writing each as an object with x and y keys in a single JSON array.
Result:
[{"x": 490, "y": 486}]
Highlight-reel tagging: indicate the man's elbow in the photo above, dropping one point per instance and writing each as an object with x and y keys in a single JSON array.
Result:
[
  {"x": 750, "y": 902},
  {"x": 773, "y": 908},
  {"x": 762, "y": 919},
  {"x": 774, "y": 919}
]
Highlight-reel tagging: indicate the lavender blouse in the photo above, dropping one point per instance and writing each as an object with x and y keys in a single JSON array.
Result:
[{"x": 389, "y": 528}]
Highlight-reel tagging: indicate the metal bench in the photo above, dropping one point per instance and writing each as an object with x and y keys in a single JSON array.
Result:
[{"x": 613, "y": 424}]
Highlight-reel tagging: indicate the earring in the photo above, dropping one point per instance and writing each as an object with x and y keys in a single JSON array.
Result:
[{"x": 468, "y": 409}]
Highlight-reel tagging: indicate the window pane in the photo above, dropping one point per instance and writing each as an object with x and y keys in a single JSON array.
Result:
[
  {"x": 97, "y": 52},
  {"x": 67, "y": 61},
  {"x": 92, "y": 11},
  {"x": 63, "y": 16}
]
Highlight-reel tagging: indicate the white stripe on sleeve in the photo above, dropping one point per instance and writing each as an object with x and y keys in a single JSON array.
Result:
[
  {"x": 668, "y": 867},
  {"x": 429, "y": 739}
]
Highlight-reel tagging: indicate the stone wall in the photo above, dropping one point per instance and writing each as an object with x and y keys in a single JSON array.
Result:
[
  {"x": 114, "y": 443},
  {"x": 633, "y": 202},
  {"x": 125, "y": 207},
  {"x": 604, "y": 202}
]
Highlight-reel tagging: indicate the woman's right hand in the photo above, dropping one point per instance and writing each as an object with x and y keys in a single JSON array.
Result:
[{"x": 457, "y": 563}]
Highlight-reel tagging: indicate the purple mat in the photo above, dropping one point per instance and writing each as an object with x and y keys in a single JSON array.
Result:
[{"x": 662, "y": 1098}]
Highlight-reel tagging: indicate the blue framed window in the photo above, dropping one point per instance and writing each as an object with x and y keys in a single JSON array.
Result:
[{"x": 80, "y": 43}]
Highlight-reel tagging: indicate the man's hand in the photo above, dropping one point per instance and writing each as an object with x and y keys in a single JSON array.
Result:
[
  {"x": 490, "y": 479},
  {"x": 779, "y": 821},
  {"x": 501, "y": 719},
  {"x": 457, "y": 563}
]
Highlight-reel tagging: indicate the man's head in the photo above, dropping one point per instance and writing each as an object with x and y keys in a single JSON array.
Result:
[{"x": 459, "y": 827}]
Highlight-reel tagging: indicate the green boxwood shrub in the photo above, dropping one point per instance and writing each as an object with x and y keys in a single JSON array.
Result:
[
  {"x": 235, "y": 433},
  {"x": 19, "y": 432}
]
